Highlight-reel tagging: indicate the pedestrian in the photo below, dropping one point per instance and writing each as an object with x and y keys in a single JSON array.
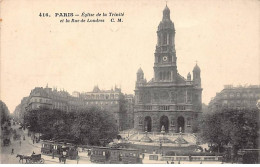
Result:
[
  {"x": 20, "y": 142},
  {"x": 52, "y": 154},
  {"x": 77, "y": 159},
  {"x": 33, "y": 141},
  {"x": 12, "y": 151},
  {"x": 167, "y": 162},
  {"x": 23, "y": 137}
]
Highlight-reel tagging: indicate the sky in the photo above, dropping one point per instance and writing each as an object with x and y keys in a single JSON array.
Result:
[{"x": 221, "y": 35}]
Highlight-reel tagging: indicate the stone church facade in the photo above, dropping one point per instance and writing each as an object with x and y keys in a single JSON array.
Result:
[{"x": 168, "y": 99}]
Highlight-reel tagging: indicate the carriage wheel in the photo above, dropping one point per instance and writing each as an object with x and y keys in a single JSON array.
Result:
[{"x": 42, "y": 161}]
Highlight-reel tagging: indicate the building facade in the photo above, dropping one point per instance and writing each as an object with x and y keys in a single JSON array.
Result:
[
  {"x": 113, "y": 101},
  {"x": 168, "y": 99},
  {"x": 129, "y": 111},
  {"x": 20, "y": 110},
  {"x": 236, "y": 97},
  {"x": 110, "y": 100}
]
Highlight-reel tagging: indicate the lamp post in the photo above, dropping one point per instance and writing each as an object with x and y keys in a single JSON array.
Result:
[{"x": 163, "y": 132}]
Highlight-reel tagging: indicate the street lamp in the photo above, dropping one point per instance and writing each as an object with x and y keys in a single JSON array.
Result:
[{"x": 163, "y": 132}]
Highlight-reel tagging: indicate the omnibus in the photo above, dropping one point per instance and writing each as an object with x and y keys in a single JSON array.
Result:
[{"x": 115, "y": 155}]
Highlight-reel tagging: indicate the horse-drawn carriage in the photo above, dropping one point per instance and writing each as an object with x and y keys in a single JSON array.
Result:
[{"x": 34, "y": 158}]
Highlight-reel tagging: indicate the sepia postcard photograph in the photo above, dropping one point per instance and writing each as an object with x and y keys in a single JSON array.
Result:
[{"x": 129, "y": 82}]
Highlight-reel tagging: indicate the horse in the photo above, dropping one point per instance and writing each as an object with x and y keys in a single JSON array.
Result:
[{"x": 22, "y": 157}]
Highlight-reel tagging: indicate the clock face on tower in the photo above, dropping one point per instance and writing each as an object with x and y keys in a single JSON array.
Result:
[{"x": 164, "y": 58}]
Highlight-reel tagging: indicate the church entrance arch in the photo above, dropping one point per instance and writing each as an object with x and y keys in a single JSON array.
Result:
[
  {"x": 181, "y": 123},
  {"x": 148, "y": 124},
  {"x": 164, "y": 121}
]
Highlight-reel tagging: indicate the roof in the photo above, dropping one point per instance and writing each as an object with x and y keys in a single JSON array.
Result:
[
  {"x": 140, "y": 71},
  {"x": 196, "y": 68}
]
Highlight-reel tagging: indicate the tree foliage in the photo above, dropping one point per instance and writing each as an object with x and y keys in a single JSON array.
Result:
[
  {"x": 4, "y": 112},
  {"x": 235, "y": 127},
  {"x": 85, "y": 126}
]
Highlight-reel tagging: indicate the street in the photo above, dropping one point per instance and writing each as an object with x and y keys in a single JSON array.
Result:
[{"x": 27, "y": 148}]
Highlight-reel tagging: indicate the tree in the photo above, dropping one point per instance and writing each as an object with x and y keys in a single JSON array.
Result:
[
  {"x": 44, "y": 120},
  {"x": 5, "y": 114},
  {"x": 235, "y": 127},
  {"x": 86, "y": 126},
  {"x": 93, "y": 124}
]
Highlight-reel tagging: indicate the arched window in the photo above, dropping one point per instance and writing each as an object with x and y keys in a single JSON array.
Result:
[{"x": 165, "y": 38}]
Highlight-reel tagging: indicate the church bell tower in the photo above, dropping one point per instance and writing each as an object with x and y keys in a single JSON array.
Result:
[{"x": 165, "y": 68}]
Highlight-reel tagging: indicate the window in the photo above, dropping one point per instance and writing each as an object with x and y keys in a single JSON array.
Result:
[
  {"x": 164, "y": 38},
  {"x": 112, "y": 96}
]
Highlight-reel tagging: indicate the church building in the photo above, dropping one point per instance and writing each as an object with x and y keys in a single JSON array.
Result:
[{"x": 168, "y": 100}]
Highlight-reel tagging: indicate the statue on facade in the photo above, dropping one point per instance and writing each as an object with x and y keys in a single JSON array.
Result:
[
  {"x": 145, "y": 129},
  {"x": 180, "y": 130},
  {"x": 163, "y": 129}
]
